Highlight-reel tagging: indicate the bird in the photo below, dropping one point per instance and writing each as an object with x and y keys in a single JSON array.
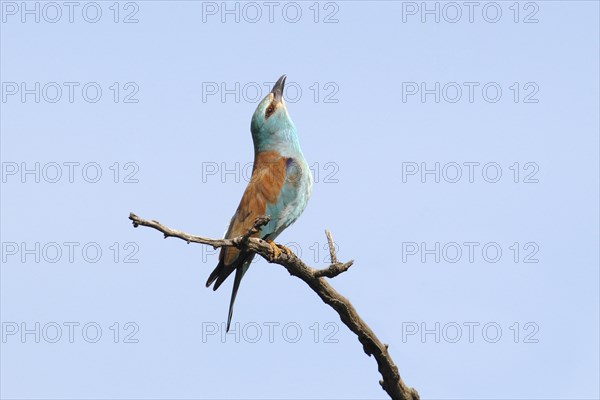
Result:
[{"x": 280, "y": 186}]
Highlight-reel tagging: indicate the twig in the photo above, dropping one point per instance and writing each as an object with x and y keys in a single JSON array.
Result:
[
  {"x": 392, "y": 382},
  {"x": 331, "y": 247},
  {"x": 335, "y": 268}
]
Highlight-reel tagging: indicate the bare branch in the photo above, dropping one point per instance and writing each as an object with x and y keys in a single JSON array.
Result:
[
  {"x": 333, "y": 270},
  {"x": 257, "y": 245},
  {"x": 331, "y": 247},
  {"x": 392, "y": 382}
]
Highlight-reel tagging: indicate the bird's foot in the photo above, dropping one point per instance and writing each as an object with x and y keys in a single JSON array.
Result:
[
  {"x": 274, "y": 249},
  {"x": 285, "y": 250},
  {"x": 277, "y": 249}
]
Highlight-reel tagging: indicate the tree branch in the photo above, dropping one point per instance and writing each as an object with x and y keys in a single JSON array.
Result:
[{"x": 392, "y": 382}]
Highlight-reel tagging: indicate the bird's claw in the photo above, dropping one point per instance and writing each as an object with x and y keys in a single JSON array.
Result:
[
  {"x": 277, "y": 249},
  {"x": 274, "y": 249},
  {"x": 285, "y": 250}
]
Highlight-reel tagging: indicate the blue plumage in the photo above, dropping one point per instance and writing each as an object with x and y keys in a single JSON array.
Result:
[{"x": 280, "y": 186}]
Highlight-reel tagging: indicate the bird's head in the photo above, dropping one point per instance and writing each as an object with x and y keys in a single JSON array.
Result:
[{"x": 271, "y": 124}]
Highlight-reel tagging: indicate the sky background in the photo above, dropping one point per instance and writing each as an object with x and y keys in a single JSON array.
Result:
[{"x": 117, "y": 312}]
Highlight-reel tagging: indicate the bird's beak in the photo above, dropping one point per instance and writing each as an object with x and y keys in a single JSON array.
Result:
[{"x": 278, "y": 88}]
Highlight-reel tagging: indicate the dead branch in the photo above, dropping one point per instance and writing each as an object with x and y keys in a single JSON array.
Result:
[{"x": 392, "y": 382}]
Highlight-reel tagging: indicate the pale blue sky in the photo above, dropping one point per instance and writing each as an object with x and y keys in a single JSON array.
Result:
[{"x": 363, "y": 135}]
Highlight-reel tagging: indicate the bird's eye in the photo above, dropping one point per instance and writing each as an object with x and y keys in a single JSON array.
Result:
[{"x": 269, "y": 111}]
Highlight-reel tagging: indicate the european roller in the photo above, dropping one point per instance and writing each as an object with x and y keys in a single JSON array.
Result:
[{"x": 280, "y": 186}]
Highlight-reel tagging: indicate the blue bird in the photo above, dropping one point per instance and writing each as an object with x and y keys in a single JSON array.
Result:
[{"x": 280, "y": 186}]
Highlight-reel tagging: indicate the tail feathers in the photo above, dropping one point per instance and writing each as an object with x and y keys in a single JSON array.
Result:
[
  {"x": 239, "y": 273},
  {"x": 215, "y": 274},
  {"x": 227, "y": 270},
  {"x": 222, "y": 272}
]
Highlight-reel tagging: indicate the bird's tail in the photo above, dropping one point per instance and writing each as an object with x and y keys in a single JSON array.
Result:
[
  {"x": 222, "y": 271},
  {"x": 216, "y": 272},
  {"x": 239, "y": 273}
]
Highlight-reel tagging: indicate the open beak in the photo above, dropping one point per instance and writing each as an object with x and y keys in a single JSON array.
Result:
[{"x": 278, "y": 88}]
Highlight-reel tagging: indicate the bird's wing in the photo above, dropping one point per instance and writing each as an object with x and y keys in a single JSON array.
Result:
[
  {"x": 268, "y": 178},
  {"x": 291, "y": 199}
]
